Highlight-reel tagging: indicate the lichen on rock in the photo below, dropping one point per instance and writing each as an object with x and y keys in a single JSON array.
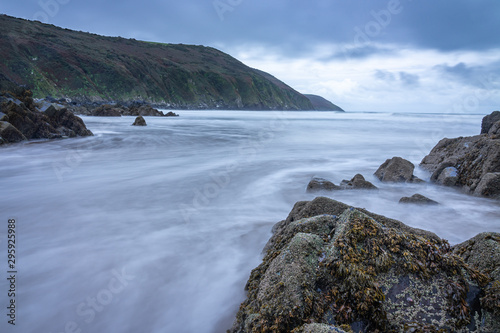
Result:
[{"x": 331, "y": 267}]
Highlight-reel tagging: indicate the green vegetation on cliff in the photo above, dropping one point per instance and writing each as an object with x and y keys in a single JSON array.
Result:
[{"x": 87, "y": 67}]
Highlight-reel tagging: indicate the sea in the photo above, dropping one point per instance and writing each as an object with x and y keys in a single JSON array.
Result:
[{"x": 157, "y": 228}]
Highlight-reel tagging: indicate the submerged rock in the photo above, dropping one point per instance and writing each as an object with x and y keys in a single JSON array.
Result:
[
  {"x": 320, "y": 184},
  {"x": 171, "y": 114},
  {"x": 397, "y": 170},
  {"x": 357, "y": 182},
  {"x": 139, "y": 121},
  {"x": 418, "y": 199},
  {"x": 344, "y": 269},
  {"x": 488, "y": 122},
  {"x": 108, "y": 110}
]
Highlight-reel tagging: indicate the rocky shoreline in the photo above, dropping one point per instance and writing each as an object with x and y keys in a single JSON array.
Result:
[
  {"x": 329, "y": 267},
  {"x": 23, "y": 118}
]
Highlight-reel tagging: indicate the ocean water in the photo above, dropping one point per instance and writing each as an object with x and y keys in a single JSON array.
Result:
[{"x": 156, "y": 229}]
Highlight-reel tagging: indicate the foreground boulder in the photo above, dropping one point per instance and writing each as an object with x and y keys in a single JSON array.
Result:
[
  {"x": 397, "y": 170},
  {"x": 470, "y": 163},
  {"x": 332, "y": 268}
]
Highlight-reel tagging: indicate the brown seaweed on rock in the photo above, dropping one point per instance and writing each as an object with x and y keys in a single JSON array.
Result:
[{"x": 333, "y": 268}]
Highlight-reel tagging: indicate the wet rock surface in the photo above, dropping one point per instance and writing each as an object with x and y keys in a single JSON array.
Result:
[
  {"x": 331, "y": 268},
  {"x": 358, "y": 182},
  {"x": 418, "y": 199},
  {"x": 469, "y": 163},
  {"x": 397, "y": 170},
  {"x": 139, "y": 121},
  {"x": 23, "y": 120}
]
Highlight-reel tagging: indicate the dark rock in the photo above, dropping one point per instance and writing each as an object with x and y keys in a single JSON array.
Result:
[
  {"x": 22, "y": 113},
  {"x": 397, "y": 169},
  {"x": 137, "y": 109},
  {"x": 495, "y": 129},
  {"x": 489, "y": 121},
  {"x": 354, "y": 272},
  {"x": 489, "y": 186},
  {"x": 321, "y": 184},
  {"x": 139, "y": 121},
  {"x": 66, "y": 123},
  {"x": 107, "y": 110},
  {"x": 357, "y": 182},
  {"x": 448, "y": 176},
  {"x": 9, "y": 133},
  {"x": 471, "y": 158},
  {"x": 482, "y": 253},
  {"x": 418, "y": 199},
  {"x": 171, "y": 114}
]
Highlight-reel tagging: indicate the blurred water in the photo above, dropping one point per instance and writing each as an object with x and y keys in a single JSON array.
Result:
[{"x": 156, "y": 229}]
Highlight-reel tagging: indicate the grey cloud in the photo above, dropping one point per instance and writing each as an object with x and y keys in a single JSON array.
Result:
[
  {"x": 408, "y": 79},
  {"x": 384, "y": 75},
  {"x": 485, "y": 77}
]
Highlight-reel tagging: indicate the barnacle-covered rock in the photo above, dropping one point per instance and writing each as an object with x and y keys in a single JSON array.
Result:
[{"x": 342, "y": 269}]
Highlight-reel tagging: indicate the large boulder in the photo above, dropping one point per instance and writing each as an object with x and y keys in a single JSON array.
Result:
[
  {"x": 489, "y": 121},
  {"x": 464, "y": 162},
  {"x": 482, "y": 253},
  {"x": 10, "y": 134},
  {"x": 66, "y": 123},
  {"x": 345, "y": 269},
  {"x": 137, "y": 109},
  {"x": 397, "y": 169}
]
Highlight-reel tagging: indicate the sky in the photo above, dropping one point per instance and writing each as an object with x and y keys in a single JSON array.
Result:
[{"x": 363, "y": 55}]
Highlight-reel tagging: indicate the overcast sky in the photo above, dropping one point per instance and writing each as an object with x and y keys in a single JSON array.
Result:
[{"x": 372, "y": 55}]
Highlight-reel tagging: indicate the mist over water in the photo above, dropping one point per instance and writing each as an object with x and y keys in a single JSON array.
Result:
[{"x": 156, "y": 229}]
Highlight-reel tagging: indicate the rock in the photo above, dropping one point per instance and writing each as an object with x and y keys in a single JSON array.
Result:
[
  {"x": 464, "y": 162},
  {"x": 138, "y": 109},
  {"x": 495, "y": 129},
  {"x": 489, "y": 121},
  {"x": 107, "y": 110},
  {"x": 10, "y": 134},
  {"x": 397, "y": 169},
  {"x": 22, "y": 113},
  {"x": 482, "y": 253},
  {"x": 66, "y": 123},
  {"x": 321, "y": 184},
  {"x": 448, "y": 176},
  {"x": 357, "y": 182},
  {"x": 139, "y": 121},
  {"x": 359, "y": 273},
  {"x": 489, "y": 186},
  {"x": 418, "y": 199},
  {"x": 319, "y": 328},
  {"x": 171, "y": 114}
]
